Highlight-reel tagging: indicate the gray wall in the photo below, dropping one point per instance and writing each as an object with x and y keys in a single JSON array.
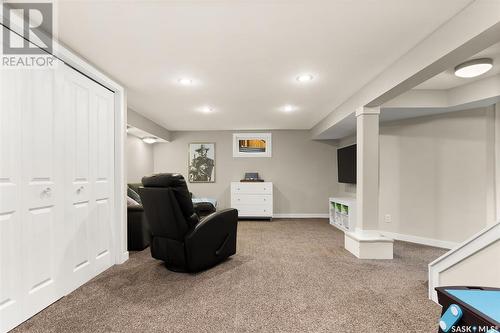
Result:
[
  {"x": 303, "y": 171},
  {"x": 436, "y": 175},
  {"x": 436, "y": 178},
  {"x": 139, "y": 159}
]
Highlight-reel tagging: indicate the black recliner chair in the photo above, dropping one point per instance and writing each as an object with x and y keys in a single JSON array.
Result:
[{"x": 179, "y": 238}]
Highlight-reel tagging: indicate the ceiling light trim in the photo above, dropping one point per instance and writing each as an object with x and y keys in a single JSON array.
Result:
[
  {"x": 289, "y": 108},
  {"x": 185, "y": 81},
  {"x": 150, "y": 139},
  {"x": 473, "y": 68},
  {"x": 304, "y": 78},
  {"x": 207, "y": 109}
]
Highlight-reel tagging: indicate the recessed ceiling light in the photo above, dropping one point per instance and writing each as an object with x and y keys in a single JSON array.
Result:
[
  {"x": 305, "y": 77},
  {"x": 149, "y": 139},
  {"x": 288, "y": 108},
  {"x": 473, "y": 68},
  {"x": 206, "y": 109},
  {"x": 185, "y": 81}
]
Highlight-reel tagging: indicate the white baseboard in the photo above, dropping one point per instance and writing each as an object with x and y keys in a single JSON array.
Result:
[
  {"x": 420, "y": 240},
  {"x": 124, "y": 257},
  {"x": 301, "y": 216}
]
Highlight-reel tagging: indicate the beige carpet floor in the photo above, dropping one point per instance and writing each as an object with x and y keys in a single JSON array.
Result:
[{"x": 287, "y": 276}]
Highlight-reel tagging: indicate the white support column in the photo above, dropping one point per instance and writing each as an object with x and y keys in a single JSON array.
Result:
[
  {"x": 497, "y": 161},
  {"x": 367, "y": 179},
  {"x": 491, "y": 165},
  {"x": 366, "y": 242}
]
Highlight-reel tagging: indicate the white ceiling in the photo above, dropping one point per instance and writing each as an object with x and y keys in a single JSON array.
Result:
[
  {"x": 447, "y": 79},
  {"x": 245, "y": 55}
]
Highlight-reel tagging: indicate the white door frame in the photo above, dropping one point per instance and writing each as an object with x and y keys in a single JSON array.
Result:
[{"x": 119, "y": 231}]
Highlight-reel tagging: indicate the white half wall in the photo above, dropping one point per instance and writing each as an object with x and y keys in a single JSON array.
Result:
[
  {"x": 304, "y": 172},
  {"x": 481, "y": 269},
  {"x": 472, "y": 263}
]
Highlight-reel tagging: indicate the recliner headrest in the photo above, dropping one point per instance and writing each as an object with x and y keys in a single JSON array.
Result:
[
  {"x": 164, "y": 180},
  {"x": 176, "y": 183}
]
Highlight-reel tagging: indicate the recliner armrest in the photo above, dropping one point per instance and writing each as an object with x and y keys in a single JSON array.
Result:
[
  {"x": 214, "y": 222},
  {"x": 135, "y": 208},
  {"x": 212, "y": 238}
]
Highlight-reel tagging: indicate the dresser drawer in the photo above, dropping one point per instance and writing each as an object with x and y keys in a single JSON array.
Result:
[
  {"x": 251, "y": 199},
  {"x": 255, "y": 210},
  {"x": 251, "y": 188}
]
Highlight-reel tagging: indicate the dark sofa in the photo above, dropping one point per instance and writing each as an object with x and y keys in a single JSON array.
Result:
[{"x": 138, "y": 234}]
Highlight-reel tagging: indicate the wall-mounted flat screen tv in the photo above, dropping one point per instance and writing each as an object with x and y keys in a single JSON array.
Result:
[{"x": 346, "y": 164}]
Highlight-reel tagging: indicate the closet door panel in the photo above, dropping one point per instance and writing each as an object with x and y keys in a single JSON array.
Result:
[
  {"x": 78, "y": 111},
  {"x": 102, "y": 235},
  {"x": 11, "y": 88},
  {"x": 40, "y": 223},
  {"x": 80, "y": 241},
  {"x": 39, "y": 117},
  {"x": 79, "y": 144},
  {"x": 104, "y": 144},
  {"x": 82, "y": 135},
  {"x": 10, "y": 293},
  {"x": 103, "y": 176},
  {"x": 41, "y": 227}
]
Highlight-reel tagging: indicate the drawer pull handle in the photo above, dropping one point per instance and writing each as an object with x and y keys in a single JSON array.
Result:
[{"x": 47, "y": 191}]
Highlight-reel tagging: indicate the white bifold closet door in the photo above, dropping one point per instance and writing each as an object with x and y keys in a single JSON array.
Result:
[
  {"x": 89, "y": 156},
  {"x": 56, "y": 187},
  {"x": 31, "y": 180}
]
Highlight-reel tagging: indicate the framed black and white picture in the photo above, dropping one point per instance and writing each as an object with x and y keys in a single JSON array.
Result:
[
  {"x": 201, "y": 162},
  {"x": 252, "y": 145}
]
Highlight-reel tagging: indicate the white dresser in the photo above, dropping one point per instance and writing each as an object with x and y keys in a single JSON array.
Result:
[{"x": 252, "y": 199}]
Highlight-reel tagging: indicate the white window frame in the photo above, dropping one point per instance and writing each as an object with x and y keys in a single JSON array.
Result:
[{"x": 254, "y": 136}]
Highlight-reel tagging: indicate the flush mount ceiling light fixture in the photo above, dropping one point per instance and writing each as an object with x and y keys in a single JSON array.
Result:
[
  {"x": 288, "y": 108},
  {"x": 184, "y": 81},
  {"x": 474, "y": 67},
  {"x": 304, "y": 78},
  {"x": 206, "y": 109},
  {"x": 149, "y": 140}
]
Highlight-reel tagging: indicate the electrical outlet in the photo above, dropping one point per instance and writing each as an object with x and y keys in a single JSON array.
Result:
[{"x": 388, "y": 218}]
